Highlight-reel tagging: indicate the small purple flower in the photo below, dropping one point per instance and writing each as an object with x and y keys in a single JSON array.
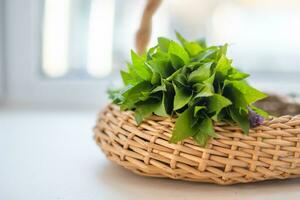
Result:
[{"x": 255, "y": 119}]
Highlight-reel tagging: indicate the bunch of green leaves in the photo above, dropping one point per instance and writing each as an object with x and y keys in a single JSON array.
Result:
[{"x": 193, "y": 82}]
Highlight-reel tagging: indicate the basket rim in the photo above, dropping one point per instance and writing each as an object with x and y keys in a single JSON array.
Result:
[{"x": 270, "y": 120}]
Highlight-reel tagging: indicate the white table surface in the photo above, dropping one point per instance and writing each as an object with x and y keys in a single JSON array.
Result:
[{"x": 50, "y": 155}]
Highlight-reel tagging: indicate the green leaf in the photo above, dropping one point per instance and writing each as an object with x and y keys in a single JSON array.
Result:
[
  {"x": 198, "y": 109},
  {"x": 139, "y": 66},
  {"x": 159, "y": 88},
  {"x": 163, "y": 44},
  {"x": 259, "y": 111},
  {"x": 176, "y": 61},
  {"x": 183, "y": 128},
  {"x": 223, "y": 67},
  {"x": 197, "y": 87},
  {"x": 174, "y": 75},
  {"x": 240, "y": 117},
  {"x": 155, "y": 79},
  {"x": 145, "y": 110},
  {"x": 193, "y": 48},
  {"x": 237, "y": 75},
  {"x": 206, "y": 130},
  {"x": 208, "y": 53},
  {"x": 127, "y": 78},
  {"x": 201, "y": 138},
  {"x": 207, "y": 91},
  {"x": 182, "y": 97},
  {"x": 161, "y": 110},
  {"x": 181, "y": 79},
  {"x": 131, "y": 77},
  {"x": 204, "y": 90},
  {"x": 201, "y": 74},
  {"x": 181, "y": 39},
  {"x": 202, "y": 42},
  {"x": 169, "y": 97},
  {"x": 133, "y": 94},
  {"x": 115, "y": 95},
  {"x": 216, "y": 103},
  {"x": 210, "y": 80},
  {"x": 251, "y": 94},
  {"x": 161, "y": 66},
  {"x": 151, "y": 52},
  {"x": 175, "y": 50},
  {"x": 223, "y": 50},
  {"x": 236, "y": 97}
]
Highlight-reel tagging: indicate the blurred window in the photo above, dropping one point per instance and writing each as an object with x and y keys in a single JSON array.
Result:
[
  {"x": 77, "y": 37},
  {"x": 81, "y": 36},
  {"x": 1, "y": 51},
  {"x": 79, "y": 46}
]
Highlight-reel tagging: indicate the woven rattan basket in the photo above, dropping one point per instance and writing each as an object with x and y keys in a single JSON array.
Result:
[{"x": 270, "y": 151}]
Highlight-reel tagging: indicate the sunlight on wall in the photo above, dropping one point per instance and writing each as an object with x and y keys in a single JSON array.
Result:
[
  {"x": 263, "y": 37},
  {"x": 94, "y": 39},
  {"x": 100, "y": 38},
  {"x": 56, "y": 37},
  {"x": 80, "y": 37}
]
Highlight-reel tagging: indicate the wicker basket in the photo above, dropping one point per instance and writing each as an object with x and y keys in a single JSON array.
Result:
[{"x": 270, "y": 151}]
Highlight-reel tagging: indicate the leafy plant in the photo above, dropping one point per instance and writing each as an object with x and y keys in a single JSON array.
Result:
[{"x": 191, "y": 81}]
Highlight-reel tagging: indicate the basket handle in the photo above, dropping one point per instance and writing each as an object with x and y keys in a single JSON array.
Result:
[{"x": 143, "y": 34}]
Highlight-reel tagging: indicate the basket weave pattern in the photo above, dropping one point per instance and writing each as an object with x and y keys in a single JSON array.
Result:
[{"x": 270, "y": 151}]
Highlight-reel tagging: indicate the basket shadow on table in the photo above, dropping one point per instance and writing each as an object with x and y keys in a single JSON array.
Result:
[{"x": 116, "y": 176}]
